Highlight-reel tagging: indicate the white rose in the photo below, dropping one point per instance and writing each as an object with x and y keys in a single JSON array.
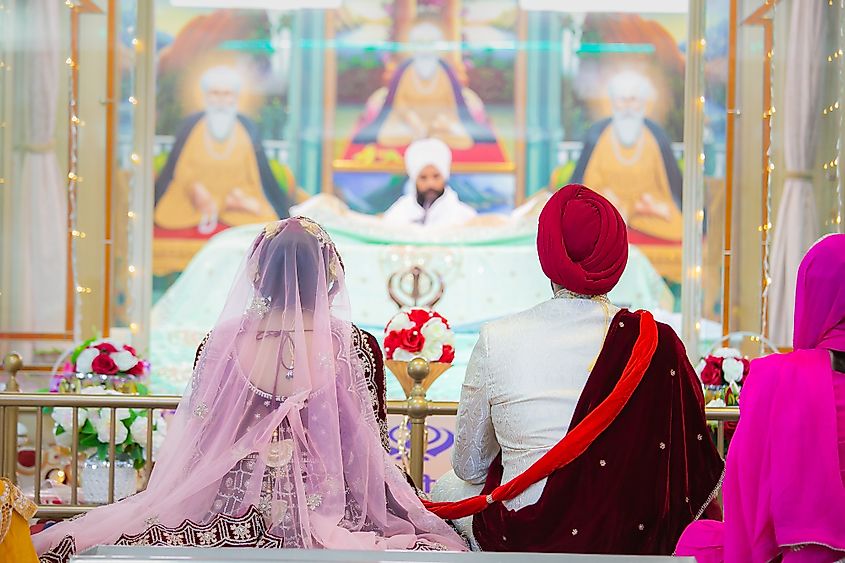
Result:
[
  {"x": 103, "y": 426},
  {"x": 435, "y": 331},
  {"x": 124, "y": 359},
  {"x": 716, "y": 403},
  {"x": 139, "y": 430},
  {"x": 432, "y": 351},
  {"x": 727, "y": 353},
  {"x": 64, "y": 417},
  {"x": 85, "y": 359},
  {"x": 65, "y": 439},
  {"x": 732, "y": 369},
  {"x": 400, "y": 322},
  {"x": 403, "y": 355}
]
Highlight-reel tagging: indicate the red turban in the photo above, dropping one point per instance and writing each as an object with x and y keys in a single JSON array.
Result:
[{"x": 582, "y": 241}]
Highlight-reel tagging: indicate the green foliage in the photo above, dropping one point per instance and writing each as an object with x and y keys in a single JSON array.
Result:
[
  {"x": 89, "y": 440},
  {"x": 80, "y": 348}
]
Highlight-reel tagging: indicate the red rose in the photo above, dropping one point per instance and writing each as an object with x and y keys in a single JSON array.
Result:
[
  {"x": 441, "y": 317},
  {"x": 712, "y": 372},
  {"x": 130, "y": 349},
  {"x": 746, "y": 366},
  {"x": 448, "y": 355},
  {"x": 391, "y": 342},
  {"x": 411, "y": 340},
  {"x": 104, "y": 365},
  {"x": 106, "y": 348},
  {"x": 419, "y": 317},
  {"x": 137, "y": 369}
]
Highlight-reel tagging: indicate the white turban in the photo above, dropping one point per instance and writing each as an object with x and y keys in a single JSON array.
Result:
[{"x": 427, "y": 152}]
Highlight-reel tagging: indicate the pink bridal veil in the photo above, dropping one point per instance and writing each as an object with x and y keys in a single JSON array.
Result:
[{"x": 277, "y": 421}]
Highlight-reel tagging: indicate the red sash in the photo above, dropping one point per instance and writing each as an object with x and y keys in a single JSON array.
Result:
[{"x": 576, "y": 440}]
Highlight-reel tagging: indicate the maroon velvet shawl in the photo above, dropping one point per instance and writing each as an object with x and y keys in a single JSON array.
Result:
[{"x": 636, "y": 487}]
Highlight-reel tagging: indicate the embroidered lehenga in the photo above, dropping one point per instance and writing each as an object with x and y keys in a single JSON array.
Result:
[{"x": 276, "y": 442}]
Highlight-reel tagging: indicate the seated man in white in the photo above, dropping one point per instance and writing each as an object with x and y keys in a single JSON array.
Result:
[
  {"x": 581, "y": 426},
  {"x": 428, "y": 163}
]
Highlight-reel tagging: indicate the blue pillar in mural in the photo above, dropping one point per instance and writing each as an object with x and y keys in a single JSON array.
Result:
[
  {"x": 305, "y": 99},
  {"x": 543, "y": 125}
]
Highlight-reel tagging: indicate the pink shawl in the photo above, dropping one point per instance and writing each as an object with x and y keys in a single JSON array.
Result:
[{"x": 783, "y": 489}]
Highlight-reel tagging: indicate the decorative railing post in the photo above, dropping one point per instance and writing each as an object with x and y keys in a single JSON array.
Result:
[
  {"x": 12, "y": 364},
  {"x": 418, "y": 369}
]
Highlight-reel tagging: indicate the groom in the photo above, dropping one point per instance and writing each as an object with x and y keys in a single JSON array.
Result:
[{"x": 581, "y": 426}]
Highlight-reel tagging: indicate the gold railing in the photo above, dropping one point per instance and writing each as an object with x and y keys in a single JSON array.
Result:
[{"x": 417, "y": 408}]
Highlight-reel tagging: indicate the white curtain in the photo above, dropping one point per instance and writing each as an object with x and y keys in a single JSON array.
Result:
[
  {"x": 39, "y": 196},
  {"x": 796, "y": 226}
]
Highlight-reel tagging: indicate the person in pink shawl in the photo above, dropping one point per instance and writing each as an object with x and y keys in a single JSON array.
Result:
[
  {"x": 783, "y": 489},
  {"x": 275, "y": 443}
]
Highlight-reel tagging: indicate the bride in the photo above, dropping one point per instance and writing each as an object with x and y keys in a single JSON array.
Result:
[{"x": 275, "y": 443}]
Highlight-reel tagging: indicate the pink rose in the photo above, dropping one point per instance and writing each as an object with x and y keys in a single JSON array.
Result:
[{"x": 104, "y": 365}]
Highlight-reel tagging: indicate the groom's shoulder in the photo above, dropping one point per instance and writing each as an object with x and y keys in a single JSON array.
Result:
[{"x": 515, "y": 323}]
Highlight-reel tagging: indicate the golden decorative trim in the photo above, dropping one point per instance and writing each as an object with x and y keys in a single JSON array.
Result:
[
  {"x": 39, "y": 148},
  {"x": 799, "y": 175},
  {"x": 110, "y": 156},
  {"x": 730, "y": 133},
  {"x": 36, "y": 336}
]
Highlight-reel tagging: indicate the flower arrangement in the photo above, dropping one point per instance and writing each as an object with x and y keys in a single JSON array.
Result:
[
  {"x": 419, "y": 333},
  {"x": 102, "y": 362},
  {"x": 722, "y": 373},
  {"x": 94, "y": 426}
]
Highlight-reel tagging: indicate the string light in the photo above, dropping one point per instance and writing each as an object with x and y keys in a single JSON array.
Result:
[
  {"x": 768, "y": 118},
  {"x": 135, "y": 158},
  {"x": 75, "y": 122}
]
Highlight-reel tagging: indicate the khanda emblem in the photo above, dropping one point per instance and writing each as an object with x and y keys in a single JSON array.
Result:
[{"x": 416, "y": 287}]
